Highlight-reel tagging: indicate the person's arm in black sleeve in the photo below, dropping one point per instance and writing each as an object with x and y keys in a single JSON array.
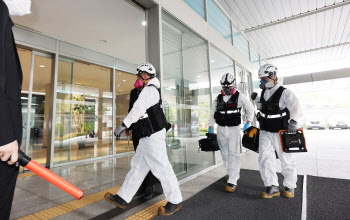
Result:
[
  {"x": 133, "y": 97},
  {"x": 130, "y": 101},
  {"x": 8, "y": 142},
  {"x": 7, "y": 133}
]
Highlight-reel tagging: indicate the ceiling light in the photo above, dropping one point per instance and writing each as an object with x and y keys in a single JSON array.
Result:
[
  {"x": 103, "y": 41},
  {"x": 124, "y": 80},
  {"x": 212, "y": 61},
  {"x": 144, "y": 23},
  {"x": 198, "y": 76},
  {"x": 120, "y": 73},
  {"x": 120, "y": 90},
  {"x": 41, "y": 66}
]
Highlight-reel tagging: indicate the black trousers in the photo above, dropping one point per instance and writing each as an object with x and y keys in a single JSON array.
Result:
[
  {"x": 150, "y": 179},
  {"x": 8, "y": 178}
]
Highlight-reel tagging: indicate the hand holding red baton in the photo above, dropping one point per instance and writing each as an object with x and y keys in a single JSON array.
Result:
[{"x": 48, "y": 175}]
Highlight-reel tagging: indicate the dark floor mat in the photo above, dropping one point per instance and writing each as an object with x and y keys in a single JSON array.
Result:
[
  {"x": 215, "y": 203},
  {"x": 328, "y": 198}
]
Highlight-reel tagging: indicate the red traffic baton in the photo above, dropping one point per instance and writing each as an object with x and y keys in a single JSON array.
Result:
[{"x": 48, "y": 175}]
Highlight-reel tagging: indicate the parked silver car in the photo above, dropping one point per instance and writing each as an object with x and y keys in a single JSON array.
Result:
[
  {"x": 338, "y": 124},
  {"x": 315, "y": 124}
]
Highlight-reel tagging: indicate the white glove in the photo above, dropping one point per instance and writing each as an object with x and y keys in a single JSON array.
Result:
[{"x": 119, "y": 130}]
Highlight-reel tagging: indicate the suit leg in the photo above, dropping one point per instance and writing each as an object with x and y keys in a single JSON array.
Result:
[{"x": 8, "y": 177}]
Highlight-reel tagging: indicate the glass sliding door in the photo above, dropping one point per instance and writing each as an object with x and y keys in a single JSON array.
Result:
[
  {"x": 124, "y": 83},
  {"x": 63, "y": 120},
  {"x": 35, "y": 100},
  {"x": 40, "y": 108},
  {"x": 83, "y": 121},
  {"x": 25, "y": 57}
]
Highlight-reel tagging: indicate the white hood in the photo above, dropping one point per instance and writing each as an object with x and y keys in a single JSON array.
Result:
[
  {"x": 155, "y": 82},
  {"x": 280, "y": 81}
]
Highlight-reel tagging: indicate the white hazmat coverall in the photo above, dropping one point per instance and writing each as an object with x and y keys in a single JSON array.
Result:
[
  {"x": 151, "y": 153},
  {"x": 229, "y": 137},
  {"x": 269, "y": 142}
]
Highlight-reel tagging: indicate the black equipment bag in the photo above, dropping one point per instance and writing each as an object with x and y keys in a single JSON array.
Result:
[
  {"x": 168, "y": 126},
  {"x": 209, "y": 144},
  {"x": 250, "y": 139},
  {"x": 293, "y": 143},
  {"x": 143, "y": 128}
]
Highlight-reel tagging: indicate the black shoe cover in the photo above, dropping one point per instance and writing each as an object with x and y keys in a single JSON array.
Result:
[
  {"x": 169, "y": 209},
  {"x": 148, "y": 192},
  {"x": 271, "y": 191},
  {"x": 230, "y": 187},
  {"x": 116, "y": 200},
  {"x": 288, "y": 193},
  {"x": 140, "y": 191}
]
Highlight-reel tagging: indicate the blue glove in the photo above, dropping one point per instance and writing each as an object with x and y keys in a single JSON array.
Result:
[
  {"x": 210, "y": 130},
  {"x": 246, "y": 126},
  {"x": 119, "y": 130}
]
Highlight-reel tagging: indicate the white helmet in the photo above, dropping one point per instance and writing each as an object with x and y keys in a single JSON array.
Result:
[
  {"x": 227, "y": 80},
  {"x": 147, "y": 68},
  {"x": 268, "y": 70}
]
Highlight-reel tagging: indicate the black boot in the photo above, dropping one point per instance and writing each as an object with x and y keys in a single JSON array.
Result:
[
  {"x": 230, "y": 187},
  {"x": 148, "y": 193},
  {"x": 271, "y": 191},
  {"x": 140, "y": 191},
  {"x": 288, "y": 193},
  {"x": 116, "y": 200},
  {"x": 226, "y": 178},
  {"x": 169, "y": 209}
]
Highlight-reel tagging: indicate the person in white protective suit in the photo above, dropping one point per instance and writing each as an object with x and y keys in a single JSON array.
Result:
[
  {"x": 151, "y": 154},
  {"x": 279, "y": 110},
  {"x": 226, "y": 112}
]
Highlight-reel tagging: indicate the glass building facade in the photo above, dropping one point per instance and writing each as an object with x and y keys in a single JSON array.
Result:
[
  {"x": 186, "y": 95},
  {"x": 73, "y": 97},
  {"x": 218, "y": 20},
  {"x": 82, "y": 121}
]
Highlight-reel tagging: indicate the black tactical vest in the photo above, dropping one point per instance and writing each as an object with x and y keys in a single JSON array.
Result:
[
  {"x": 155, "y": 121},
  {"x": 273, "y": 118},
  {"x": 227, "y": 113}
]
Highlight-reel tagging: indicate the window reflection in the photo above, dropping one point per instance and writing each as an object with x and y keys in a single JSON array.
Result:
[
  {"x": 186, "y": 96},
  {"x": 83, "y": 126},
  {"x": 124, "y": 83}
]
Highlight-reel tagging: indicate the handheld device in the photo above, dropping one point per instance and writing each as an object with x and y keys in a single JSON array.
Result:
[{"x": 293, "y": 143}]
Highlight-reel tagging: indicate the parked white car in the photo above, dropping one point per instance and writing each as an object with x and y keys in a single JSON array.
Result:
[
  {"x": 342, "y": 124},
  {"x": 315, "y": 124}
]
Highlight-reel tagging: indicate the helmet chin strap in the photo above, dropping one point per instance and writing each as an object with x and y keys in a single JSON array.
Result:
[{"x": 143, "y": 80}]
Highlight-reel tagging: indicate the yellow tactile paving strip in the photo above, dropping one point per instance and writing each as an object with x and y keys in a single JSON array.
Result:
[
  {"x": 148, "y": 213},
  {"x": 70, "y": 206},
  {"x": 25, "y": 175}
]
